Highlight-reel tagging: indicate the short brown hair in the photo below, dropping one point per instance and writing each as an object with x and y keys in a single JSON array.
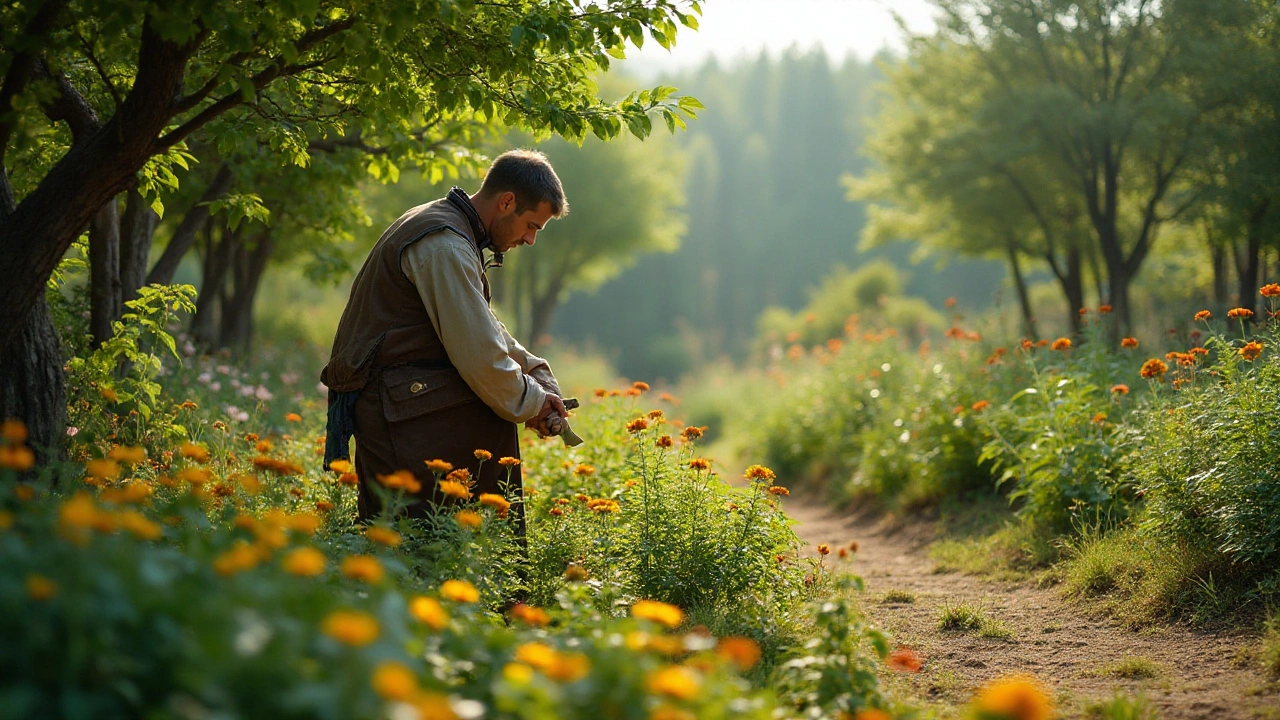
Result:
[{"x": 529, "y": 175}]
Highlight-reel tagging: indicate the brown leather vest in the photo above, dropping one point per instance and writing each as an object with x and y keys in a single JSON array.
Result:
[{"x": 385, "y": 323}]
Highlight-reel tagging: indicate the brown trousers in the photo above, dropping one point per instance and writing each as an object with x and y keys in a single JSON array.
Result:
[{"x": 410, "y": 414}]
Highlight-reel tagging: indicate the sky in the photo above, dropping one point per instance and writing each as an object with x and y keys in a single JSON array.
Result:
[{"x": 730, "y": 29}]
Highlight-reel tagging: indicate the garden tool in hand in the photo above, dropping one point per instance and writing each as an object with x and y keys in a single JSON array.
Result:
[{"x": 557, "y": 425}]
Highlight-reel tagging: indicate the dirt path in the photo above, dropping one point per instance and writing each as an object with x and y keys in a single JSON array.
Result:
[{"x": 1188, "y": 674}]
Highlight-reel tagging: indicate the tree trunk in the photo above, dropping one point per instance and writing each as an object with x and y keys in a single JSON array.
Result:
[
  {"x": 1248, "y": 262},
  {"x": 248, "y": 268},
  {"x": 104, "y": 271},
  {"x": 1218, "y": 256},
  {"x": 32, "y": 385},
  {"x": 187, "y": 231},
  {"x": 1073, "y": 288},
  {"x": 136, "y": 229},
  {"x": 1020, "y": 285},
  {"x": 541, "y": 312},
  {"x": 216, "y": 264}
]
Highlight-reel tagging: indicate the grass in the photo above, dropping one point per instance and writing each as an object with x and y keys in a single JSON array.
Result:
[
  {"x": 898, "y": 597},
  {"x": 967, "y": 617},
  {"x": 1121, "y": 707},
  {"x": 1270, "y": 654},
  {"x": 1130, "y": 667},
  {"x": 982, "y": 537}
]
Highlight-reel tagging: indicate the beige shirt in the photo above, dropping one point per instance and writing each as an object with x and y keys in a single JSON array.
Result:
[{"x": 446, "y": 269}]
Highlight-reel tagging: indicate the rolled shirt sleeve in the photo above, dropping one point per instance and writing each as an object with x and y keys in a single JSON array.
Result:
[
  {"x": 446, "y": 270},
  {"x": 533, "y": 366}
]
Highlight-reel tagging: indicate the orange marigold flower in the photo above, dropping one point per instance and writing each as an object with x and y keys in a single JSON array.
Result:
[
  {"x": 950, "y": 302},
  {"x": 1251, "y": 350},
  {"x": 637, "y": 425},
  {"x": 824, "y": 549},
  {"x": 604, "y": 506},
  {"x": 1061, "y": 344},
  {"x": 468, "y": 518},
  {"x": 1019, "y": 696},
  {"x": 1042, "y": 342},
  {"x": 1099, "y": 418},
  {"x": 1197, "y": 351},
  {"x": 459, "y": 591},
  {"x": 657, "y": 415},
  {"x": 429, "y": 612},
  {"x": 293, "y": 417},
  {"x": 304, "y": 562},
  {"x": 351, "y": 627},
  {"x": 659, "y": 612},
  {"x": 575, "y": 573},
  {"x": 264, "y": 446},
  {"x": 1120, "y": 389},
  {"x": 438, "y": 466},
  {"x": 1104, "y": 309},
  {"x": 341, "y": 466},
  {"x": 128, "y": 454},
  {"x": 41, "y": 588},
  {"x": 584, "y": 470},
  {"x": 1239, "y": 313},
  {"x": 741, "y": 651},
  {"x": 109, "y": 394},
  {"x": 557, "y": 512},
  {"x": 363, "y": 567},
  {"x": 1129, "y": 342},
  {"x": 392, "y": 680},
  {"x": 536, "y": 617},
  {"x": 454, "y": 489},
  {"x": 980, "y": 405},
  {"x": 13, "y": 431},
  {"x": 1083, "y": 311},
  {"x": 677, "y": 681},
  {"x": 508, "y": 461},
  {"x": 483, "y": 455},
  {"x": 693, "y": 432},
  {"x": 324, "y": 505},
  {"x": 759, "y": 472},
  {"x": 640, "y": 385},
  {"x": 779, "y": 490},
  {"x": 383, "y": 536},
  {"x": 20, "y": 458},
  {"x": 1270, "y": 290},
  {"x": 665, "y": 441},
  {"x": 1203, "y": 315},
  {"x": 348, "y": 479},
  {"x": 497, "y": 502},
  {"x": 1027, "y": 344},
  {"x": 600, "y": 392},
  {"x": 700, "y": 464},
  {"x": 904, "y": 659},
  {"x": 102, "y": 469},
  {"x": 1154, "y": 368}
]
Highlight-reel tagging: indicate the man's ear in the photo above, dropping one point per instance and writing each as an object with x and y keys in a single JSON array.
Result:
[{"x": 506, "y": 201}]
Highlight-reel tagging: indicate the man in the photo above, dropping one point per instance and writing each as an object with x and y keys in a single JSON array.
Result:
[{"x": 421, "y": 369}]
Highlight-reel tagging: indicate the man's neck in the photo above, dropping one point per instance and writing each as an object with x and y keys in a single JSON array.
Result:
[{"x": 486, "y": 208}]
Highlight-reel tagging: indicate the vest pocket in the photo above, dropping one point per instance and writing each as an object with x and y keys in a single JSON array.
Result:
[{"x": 409, "y": 392}]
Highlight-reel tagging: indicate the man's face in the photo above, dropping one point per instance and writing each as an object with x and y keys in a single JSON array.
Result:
[{"x": 511, "y": 229}]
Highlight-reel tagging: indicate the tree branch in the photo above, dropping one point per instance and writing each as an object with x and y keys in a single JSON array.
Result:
[
  {"x": 69, "y": 106},
  {"x": 22, "y": 63}
]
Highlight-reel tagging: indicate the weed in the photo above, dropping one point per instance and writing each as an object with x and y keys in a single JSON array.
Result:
[
  {"x": 996, "y": 630},
  {"x": 896, "y": 597},
  {"x": 961, "y": 618},
  {"x": 1130, "y": 667},
  {"x": 1270, "y": 654},
  {"x": 1121, "y": 707}
]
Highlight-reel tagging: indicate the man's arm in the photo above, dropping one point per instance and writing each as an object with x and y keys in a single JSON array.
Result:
[
  {"x": 533, "y": 366},
  {"x": 446, "y": 272}
]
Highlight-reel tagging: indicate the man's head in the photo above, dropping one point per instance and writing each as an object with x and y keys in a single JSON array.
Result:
[{"x": 519, "y": 195}]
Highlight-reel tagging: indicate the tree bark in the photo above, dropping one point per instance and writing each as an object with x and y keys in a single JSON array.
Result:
[
  {"x": 1020, "y": 285},
  {"x": 185, "y": 235},
  {"x": 237, "y": 308},
  {"x": 32, "y": 385},
  {"x": 217, "y": 261},
  {"x": 1248, "y": 262},
  {"x": 104, "y": 272},
  {"x": 136, "y": 230},
  {"x": 1073, "y": 288},
  {"x": 1218, "y": 257}
]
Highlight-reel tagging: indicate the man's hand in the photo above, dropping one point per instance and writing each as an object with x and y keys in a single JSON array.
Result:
[{"x": 553, "y": 404}]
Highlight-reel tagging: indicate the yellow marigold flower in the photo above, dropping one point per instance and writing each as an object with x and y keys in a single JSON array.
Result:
[
  {"x": 536, "y": 655},
  {"x": 659, "y": 612},
  {"x": 536, "y": 617},
  {"x": 1240, "y": 313},
  {"x": 250, "y": 483},
  {"x": 495, "y": 501},
  {"x": 824, "y": 549},
  {"x": 304, "y": 562},
  {"x": 1154, "y": 368},
  {"x": 604, "y": 506},
  {"x": 128, "y": 454},
  {"x": 102, "y": 469},
  {"x": 1270, "y": 290},
  {"x": 392, "y": 680},
  {"x": 77, "y": 515},
  {"x": 677, "y": 681},
  {"x": 17, "y": 457},
  {"x": 693, "y": 432},
  {"x": 741, "y": 651},
  {"x": 305, "y": 522},
  {"x": 13, "y": 431},
  {"x": 517, "y": 673},
  {"x": 1251, "y": 350},
  {"x": 433, "y": 706},
  {"x": 483, "y": 455},
  {"x": 759, "y": 472},
  {"x": 138, "y": 525},
  {"x": 468, "y": 518},
  {"x": 665, "y": 441},
  {"x": 242, "y": 556},
  {"x": 459, "y": 591},
  {"x": 41, "y": 588},
  {"x": 700, "y": 464},
  {"x": 429, "y": 612},
  {"x": 362, "y": 567},
  {"x": 439, "y": 466},
  {"x": 666, "y": 712},
  {"x": 1020, "y": 697},
  {"x": 508, "y": 461},
  {"x": 194, "y": 452},
  {"x": 350, "y": 627},
  {"x": 454, "y": 489},
  {"x": 569, "y": 667},
  {"x": 640, "y": 385},
  {"x": 1061, "y": 344},
  {"x": 1120, "y": 389},
  {"x": 341, "y": 466},
  {"x": 575, "y": 573},
  {"x": 1129, "y": 342},
  {"x": 293, "y": 417},
  {"x": 195, "y": 476},
  {"x": 584, "y": 470},
  {"x": 383, "y": 536},
  {"x": 638, "y": 425}
]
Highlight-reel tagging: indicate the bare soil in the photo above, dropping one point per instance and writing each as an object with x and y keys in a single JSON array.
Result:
[{"x": 1183, "y": 672}]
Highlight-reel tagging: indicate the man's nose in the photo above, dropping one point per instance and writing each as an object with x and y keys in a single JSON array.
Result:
[{"x": 532, "y": 237}]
